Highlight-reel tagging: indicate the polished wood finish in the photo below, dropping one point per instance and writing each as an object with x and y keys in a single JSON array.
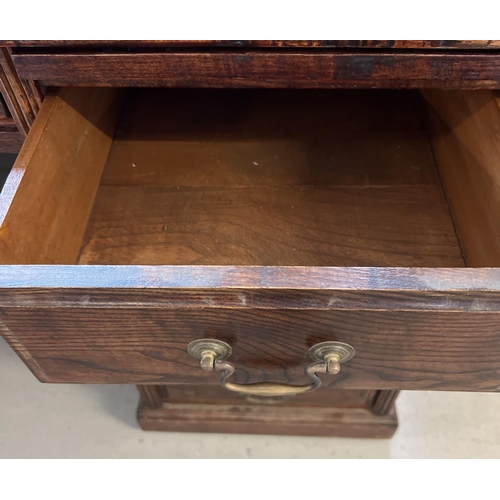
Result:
[
  {"x": 249, "y": 419},
  {"x": 76, "y": 335},
  {"x": 466, "y": 141},
  {"x": 196, "y": 409},
  {"x": 293, "y": 69},
  {"x": 275, "y": 44},
  {"x": 249, "y": 287},
  {"x": 48, "y": 195}
]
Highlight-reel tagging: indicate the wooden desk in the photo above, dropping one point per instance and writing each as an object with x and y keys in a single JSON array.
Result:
[{"x": 269, "y": 195}]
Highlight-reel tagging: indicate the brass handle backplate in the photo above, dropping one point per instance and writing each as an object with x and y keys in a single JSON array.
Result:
[{"x": 326, "y": 356}]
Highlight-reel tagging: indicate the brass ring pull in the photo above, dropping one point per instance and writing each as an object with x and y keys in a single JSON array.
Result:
[{"x": 327, "y": 357}]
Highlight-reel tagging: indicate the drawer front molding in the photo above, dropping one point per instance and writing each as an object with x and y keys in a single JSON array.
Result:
[
  {"x": 79, "y": 323},
  {"x": 265, "y": 69}
]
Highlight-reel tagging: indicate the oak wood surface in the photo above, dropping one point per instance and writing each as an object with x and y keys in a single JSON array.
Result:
[
  {"x": 466, "y": 140},
  {"x": 419, "y": 350},
  {"x": 293, "y": 69},
  {"x": 271, "y": 178},
  {"x": 362, "y": 44},
  {"x": 47, "y": 198},
  {"x": 412, "y": 328},
  {"x": 11, "y": 140},
  {"x": 7, "y": 123},
  {"x": 199, "y": 287},
  {"x": 268, "y": 419},
  {"x": 258, "y": 137},
  {"x": 467, "y": 301},
  {"x": 215, "y": 394},
  {"x": 383, "y": 402},
  {"x": 283, "y": 227},
  {"x": 205, "y": 408},
  {"x": 152, "y": 396},
  {"x": 22, "y": 97}
]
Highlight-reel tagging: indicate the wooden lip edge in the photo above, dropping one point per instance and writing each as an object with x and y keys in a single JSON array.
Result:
[
  {"x": 365, "y": 45},
  {"x": 22, "y": 59},
  {"x": 387, "y": 279}
]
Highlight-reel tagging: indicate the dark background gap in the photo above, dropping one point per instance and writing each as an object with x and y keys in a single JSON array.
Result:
[{"x": 6, "y": 162}]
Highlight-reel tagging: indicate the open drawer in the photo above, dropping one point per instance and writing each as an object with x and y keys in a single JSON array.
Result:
[{"x": 136, "y": 221}]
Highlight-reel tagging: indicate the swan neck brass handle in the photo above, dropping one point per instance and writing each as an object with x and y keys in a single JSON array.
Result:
[{"x": 326, "y": 356}]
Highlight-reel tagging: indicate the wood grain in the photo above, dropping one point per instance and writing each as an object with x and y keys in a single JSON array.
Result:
[
  {"x": 408, "y": 350},
  {"x": 271, "y": 178},
  {"x": 313, "y": 44},
  {"x": 213, "y": 137},
  {"x": 294, "y": 69},
  {"x": 211, "y": 409},
  {"x": 247, "y": 419},
  {"x": 207, "y": 287},
  {"x": 48, "y": 195},
  {"x": 271, "y": 227},
  {"x": 152, "y": 396},
  {"x": 215, "y": 394},
  {"x": 11, "y": 140},
  {"x": 23, "y": 107},
  {"x": 466, "y": 141},
  {"x": 383, "y": 402}
]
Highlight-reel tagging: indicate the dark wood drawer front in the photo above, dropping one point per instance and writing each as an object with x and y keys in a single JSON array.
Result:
[
  {"x": 405, "y": 350},
  {"x": 409, "y": 339}
]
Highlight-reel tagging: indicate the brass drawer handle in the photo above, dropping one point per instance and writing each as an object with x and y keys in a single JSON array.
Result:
[{"x": 327, "y": 357}]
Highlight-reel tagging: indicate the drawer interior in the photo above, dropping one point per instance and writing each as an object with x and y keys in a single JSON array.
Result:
[
  {"x": 256, "y": 177},
  {"x": 271, "y": 178}
]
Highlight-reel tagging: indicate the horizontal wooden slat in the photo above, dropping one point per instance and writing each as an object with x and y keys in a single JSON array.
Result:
[
  {"x": 338, "y": 278},
  {"x": 250, "y": 287},
  {"x": 10, "y": 141},
  {"x": 396, "y": 226},
  {"x": 264, "y": 69},
  {"x": 241, "y": 418},
  {"x": 420, "y": 350},
  {"x": 362, "y": 44},
  {"x": 203, "y": 394}
]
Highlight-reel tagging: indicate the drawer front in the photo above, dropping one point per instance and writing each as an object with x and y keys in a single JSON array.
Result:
[{"x": 134, "y": 324}]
